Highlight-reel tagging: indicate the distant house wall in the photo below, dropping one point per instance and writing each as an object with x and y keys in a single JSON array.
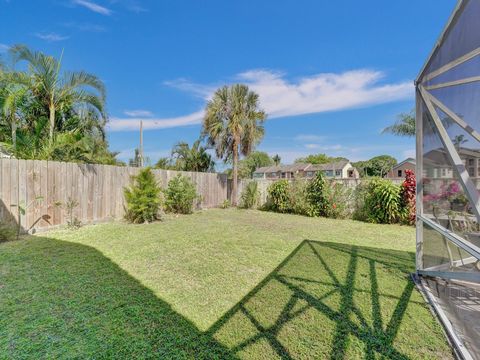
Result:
[{"x": 399, "y": 170}]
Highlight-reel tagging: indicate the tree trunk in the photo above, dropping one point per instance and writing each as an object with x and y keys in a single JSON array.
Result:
[
  {"x": 52, "y": 122},
  {"x": 235, "y": 173},
  {"x": 14, "y": 133}
]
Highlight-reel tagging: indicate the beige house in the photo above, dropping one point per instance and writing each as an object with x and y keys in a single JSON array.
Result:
[
  {"x": 398, "y": 171},
  {"x": 340, "y": 170}
]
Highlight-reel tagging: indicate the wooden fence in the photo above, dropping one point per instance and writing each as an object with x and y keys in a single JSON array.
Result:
[{"x": 44, "y": 188}]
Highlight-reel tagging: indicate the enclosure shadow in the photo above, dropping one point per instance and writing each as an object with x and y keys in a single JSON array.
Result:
[
  {"x": 66, "y": 300},
  {"x": 311, "y": 275}
]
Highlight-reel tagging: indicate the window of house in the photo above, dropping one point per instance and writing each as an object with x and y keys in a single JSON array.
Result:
[
  {"x": 338, "y": 172},
  {"x": 309, "y": 173},
  {"x": 444, "y": 172},
  {"x": 399, "y": 173},
  {"x": 470, "y": 162},
  {"x": 328, "y": 172},
  {"x": 470, "y": 171}
]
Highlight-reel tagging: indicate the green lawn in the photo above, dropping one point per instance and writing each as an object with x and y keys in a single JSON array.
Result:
[{"x": 217, "y": 284}]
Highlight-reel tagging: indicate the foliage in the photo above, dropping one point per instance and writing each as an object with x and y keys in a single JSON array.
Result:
[
  {"x": 250, "y": 196},
  {"x": 340, "y": 201},
  {"x": 404, "y": 126},
  {"x": 143, "y": 198},
  {"x": 49, "y": 115},
  {"x": 383, "y": 203},
  {"x": 297, "y": 194},
  {"x": 360, "y": 211},
  {"x": 165, "y": 163},
  {"x": 233, "y": 124},
  {"x": 248, "y": 165},
  {"x": 72, "y": 221},
  {"x": 408, "y": 192},
  {"x": 22, "y": 208},
  {"x": 195, "y": 158},
  {"x": 277, "y": 159},
  {"x": 376, "y": 166},
  {"x": 318, "y": 159},
  {"x": 318, "y": 196},
  {"x": 279, "y": 196},
  {"x": 180, "y": 195},
  {"x": 225, "y": 204}
]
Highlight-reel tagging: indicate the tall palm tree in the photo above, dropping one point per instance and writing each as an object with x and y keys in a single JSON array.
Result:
[
  {"x": 233, "y": 124},
  {"x": 56, "y": 92},
  {"x": 195, "y": 158},
  {"x": 404, "y": 126},
  {"x": 11, "y": 100}
]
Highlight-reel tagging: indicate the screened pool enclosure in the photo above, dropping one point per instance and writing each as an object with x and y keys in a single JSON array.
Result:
[{"x": 448, "y": 172}]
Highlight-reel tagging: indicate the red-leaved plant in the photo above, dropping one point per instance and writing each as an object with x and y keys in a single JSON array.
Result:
[{"x": 408, "y": 195}]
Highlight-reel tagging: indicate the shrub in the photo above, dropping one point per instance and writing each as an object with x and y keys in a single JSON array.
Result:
[
  {"x": 225, "y": 204},
  {"x": 180, "y": 195},
  {"x": 7, "y": 232},
  {"x": 250, "y": 196},
  {"x": 408, "y": 196},
  {"x": 360, "y": 211},
  {"x": 340, "y": 201},
  {"x": 143, "y": 198},
  {"x": 297, "y": 194},
  {"x": 383, "y": 202},
  {"x": 279, "y": 197},
  {"x": 318, "y": 196}
]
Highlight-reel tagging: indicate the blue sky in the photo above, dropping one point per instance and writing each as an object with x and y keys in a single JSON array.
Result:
[{"x": 330, "y": 74}]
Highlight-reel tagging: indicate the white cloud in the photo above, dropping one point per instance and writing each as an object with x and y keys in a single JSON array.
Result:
[
  {"x": 90, "y": 5},
  {"x": 85, "y": 27},
  {"x": 281, "y": 97},
  {"x": 4, "y": 48},
  {"x": 51, "y": 37},
  {"x": 308, "y": 137},
  {"x": 127, "y": 124},
  {"x": 138, "y": 113}
]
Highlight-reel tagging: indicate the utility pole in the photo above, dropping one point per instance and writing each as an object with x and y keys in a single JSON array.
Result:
[{"x": 141, "y": 143}]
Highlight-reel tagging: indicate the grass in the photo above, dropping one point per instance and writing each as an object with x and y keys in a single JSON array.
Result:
[{"x": 217, "y": 284}]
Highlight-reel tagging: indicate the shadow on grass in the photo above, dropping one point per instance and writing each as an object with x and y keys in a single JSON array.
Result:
[
  {"x": 320, "y": 291},
  {"x": 60, "y": 299},
  {"x": 65, "y": 300}
]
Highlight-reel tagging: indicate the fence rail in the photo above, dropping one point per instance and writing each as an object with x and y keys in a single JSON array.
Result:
[{"x": 45, "y": 187}]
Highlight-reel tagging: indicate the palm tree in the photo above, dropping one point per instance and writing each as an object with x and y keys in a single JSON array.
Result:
[
  {"x": 195, "y": 158},
  {"x": 55, "y": 92},
  {"x": 233, "y": 125},
  {"x": 10, "y": 103},
  {"x": 276, "y": 159},
  {"x": 404, "y": 126},
  {"x": 458, "y": 141}
]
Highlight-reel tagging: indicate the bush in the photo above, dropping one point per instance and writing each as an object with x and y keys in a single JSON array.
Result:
[
  {"x": 279, "y": 197},
  {"x": 408, "y": 196},
  {"x": 360, "y": 211},
  {"x": 383, "y": 202},
  {"x": 7, "y": 232},
  {"x": 180, "y": 195},
  {"x": 297, "y": 194},
  {"x": 317, "y": 193},
  {"x": 250, "y": 196},
  {"x": 340, "y": 201},
  {"x": 143, "y": 198},
  {"x": 225, "y": 204}
]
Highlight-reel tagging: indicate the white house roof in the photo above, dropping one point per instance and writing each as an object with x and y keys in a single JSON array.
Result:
[{"x": 337, "y": 165}]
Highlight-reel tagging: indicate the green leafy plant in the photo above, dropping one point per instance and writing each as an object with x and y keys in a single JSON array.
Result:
[
  {"x": 279, "y": 197},
  {"x": 383, "y": 202},
  {"x": 72, "y": 221},
  {"x": 317, "y": 193},
  {"x": 225, "y": 204},
  {"x": 297, "y": 194},
  {"x": 22, "y": 208},
  {"x": 340, "y": 201},
  {"x": 250, "y": 196},
  {"x": 143, "y": 198},
  {"x": 180, "y": 195}
]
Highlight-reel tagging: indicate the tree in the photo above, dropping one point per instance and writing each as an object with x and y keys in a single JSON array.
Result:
[
  {"x": 165, "y": 163},
  {"x": 13, "y": 96},
  {"x": 195, "y": 158},
  {"x": 233, "y": 125},
  {"x": 136, "y": 160},
  {"x": 318, "y": 159},
  {"x": 248, "y": 165},
  {"x": 56, "y": 92},
  {"x": 276, "y": 159},
  {"x": 404, "y": 126},
  {"x": 458, "y": 141},
  {"x": 376, "y": 166}
]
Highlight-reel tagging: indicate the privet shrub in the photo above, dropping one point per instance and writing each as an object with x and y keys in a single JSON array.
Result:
[
  {"x": 298, "y": 197},
  {"x": 383, "y": 202},
  {"x": 340, "y": 201},
  {"x": 360, "y": 211},
  {"x": 279, "y": 197},
  {"x": 143, "y": 198},
  {"x": 180, "y": 195},
  {"x": 318, "y": 196},
  {"x": 250, "y": 196}
]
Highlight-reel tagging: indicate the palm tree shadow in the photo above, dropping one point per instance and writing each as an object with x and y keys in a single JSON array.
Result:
[{"x": 323, "y": 281}]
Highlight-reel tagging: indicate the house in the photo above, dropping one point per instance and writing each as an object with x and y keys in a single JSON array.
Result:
[
  {"x": 436, "y": 164},
  {"x": 340, "y": 169},
  {"x": 398, "y": 171}
]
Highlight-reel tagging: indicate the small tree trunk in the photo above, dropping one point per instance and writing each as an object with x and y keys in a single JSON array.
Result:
[
  {"x": 235, "y": 173},
  {"x": 52, "y": 122},
  {"x": 14, "y": 133}
]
